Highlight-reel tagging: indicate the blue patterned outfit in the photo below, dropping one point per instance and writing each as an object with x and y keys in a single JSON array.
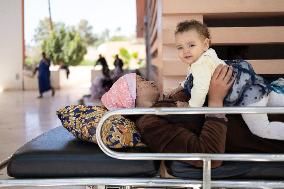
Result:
[{"x": 247, "y": 88}]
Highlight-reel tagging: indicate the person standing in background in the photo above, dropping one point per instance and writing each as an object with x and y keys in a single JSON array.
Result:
[
  {"x": 118, "y": 68},
  {"x": 44, "y": 76},
  {"x": 102, "y": 61}
]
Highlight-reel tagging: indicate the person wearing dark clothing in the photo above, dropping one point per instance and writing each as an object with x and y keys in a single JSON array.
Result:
[
  {"x": 106, "y": 80},
  {"x": 212, "y": 133},
  {"x": 199, "y": 134},
  {"x": 118, "y": 67},
  {"x": 44, "y": 76},
  {"x": 105, "y": 69},
  {"x": 204, "y": 134},
  {"x": 102, "y": 61},
  {"x": 66, "y": 68},
  {"x": 102, "y": 83}
]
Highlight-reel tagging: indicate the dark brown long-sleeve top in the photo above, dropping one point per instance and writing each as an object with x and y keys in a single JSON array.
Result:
[
  {"x": 196, "y": 134},
  {"x": 184, "y": 134}
]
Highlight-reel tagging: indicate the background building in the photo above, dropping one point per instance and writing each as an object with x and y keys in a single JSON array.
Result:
[{"x": 256, "y": 26}]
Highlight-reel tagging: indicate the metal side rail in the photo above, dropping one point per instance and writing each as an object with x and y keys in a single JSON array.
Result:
[
  {"x": 163, "y": 182},
  {"x": 135, "y": 182},
  {"x": 4, "y": 163},
  {"x": 206, "y": 158}
]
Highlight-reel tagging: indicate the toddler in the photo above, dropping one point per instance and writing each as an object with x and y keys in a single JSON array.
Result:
[{"x": 192, "y": 40}]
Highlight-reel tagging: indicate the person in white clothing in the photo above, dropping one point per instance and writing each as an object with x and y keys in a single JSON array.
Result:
[{"x": 192, "y": 40}]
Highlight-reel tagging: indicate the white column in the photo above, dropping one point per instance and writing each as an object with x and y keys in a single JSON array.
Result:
[{"x": 11, "y": 52}]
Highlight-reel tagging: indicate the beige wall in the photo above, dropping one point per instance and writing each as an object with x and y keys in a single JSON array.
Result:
[
  {"x": 167, "y": 13},
  {"x": 140, "y": 12},
  {"x": 11, "y": 54}
]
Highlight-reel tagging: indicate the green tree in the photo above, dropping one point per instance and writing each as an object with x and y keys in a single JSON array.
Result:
[
  {"x": 86, "y": 32},
  {"x": 43, "y": 30},
  {"x": 65, "y": 47},
  {"x": 127, "y": 57}
]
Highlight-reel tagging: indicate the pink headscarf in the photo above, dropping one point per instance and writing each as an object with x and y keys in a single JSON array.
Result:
[{"x": 122, "y": 94}]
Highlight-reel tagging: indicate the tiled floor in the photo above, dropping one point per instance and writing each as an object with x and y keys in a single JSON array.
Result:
[{"x": 23, "y": 117}]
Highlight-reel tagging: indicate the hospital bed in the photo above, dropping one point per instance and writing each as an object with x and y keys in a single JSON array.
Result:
[{"x": 57, "y": 158}]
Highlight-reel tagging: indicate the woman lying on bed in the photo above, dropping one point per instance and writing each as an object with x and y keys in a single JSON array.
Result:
[{"x": 190, "y": 133}]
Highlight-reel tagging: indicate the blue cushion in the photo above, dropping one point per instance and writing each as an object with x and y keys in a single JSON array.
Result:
[
  {"x": 58, "y": 153},
  {"x": 230, "y": 169}
]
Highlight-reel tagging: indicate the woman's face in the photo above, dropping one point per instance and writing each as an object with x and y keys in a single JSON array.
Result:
[{"x": 147, "y": 92}]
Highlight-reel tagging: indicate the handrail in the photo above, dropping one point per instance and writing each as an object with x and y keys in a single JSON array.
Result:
[
  {"x": 188, "y": 156},
  {"x": 4, "y": 162},
  {"x": 136, "y": 182},
  {"x": 207, "y": 158}
]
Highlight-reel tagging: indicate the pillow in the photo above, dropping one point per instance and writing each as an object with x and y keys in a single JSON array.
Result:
[
  {"x": 119, "y": 132},
  {"x": 82, "y": 120}
]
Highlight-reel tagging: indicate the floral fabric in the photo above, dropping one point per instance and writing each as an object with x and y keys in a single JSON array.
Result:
[{"x": 82, "y": 121}]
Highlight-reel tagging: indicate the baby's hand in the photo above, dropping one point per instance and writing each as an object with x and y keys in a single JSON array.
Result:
[{"x": 182, "y": 104}]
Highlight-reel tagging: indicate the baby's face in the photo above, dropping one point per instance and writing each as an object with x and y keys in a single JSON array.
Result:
[
  {"x": 190, "y": 46},
  {"x": 147, "y": 92}
]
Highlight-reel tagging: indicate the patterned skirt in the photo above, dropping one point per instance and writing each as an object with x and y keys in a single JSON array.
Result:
[{"x": 249, "y": 87}]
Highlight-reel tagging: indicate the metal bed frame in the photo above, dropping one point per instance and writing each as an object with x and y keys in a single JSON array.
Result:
[{"x": 206, "y": 183}]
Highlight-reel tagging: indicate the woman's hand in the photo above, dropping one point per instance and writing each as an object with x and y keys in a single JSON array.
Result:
[
  {"x": 172, "y": 92},
  {"x": 220, "y": 84}
]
